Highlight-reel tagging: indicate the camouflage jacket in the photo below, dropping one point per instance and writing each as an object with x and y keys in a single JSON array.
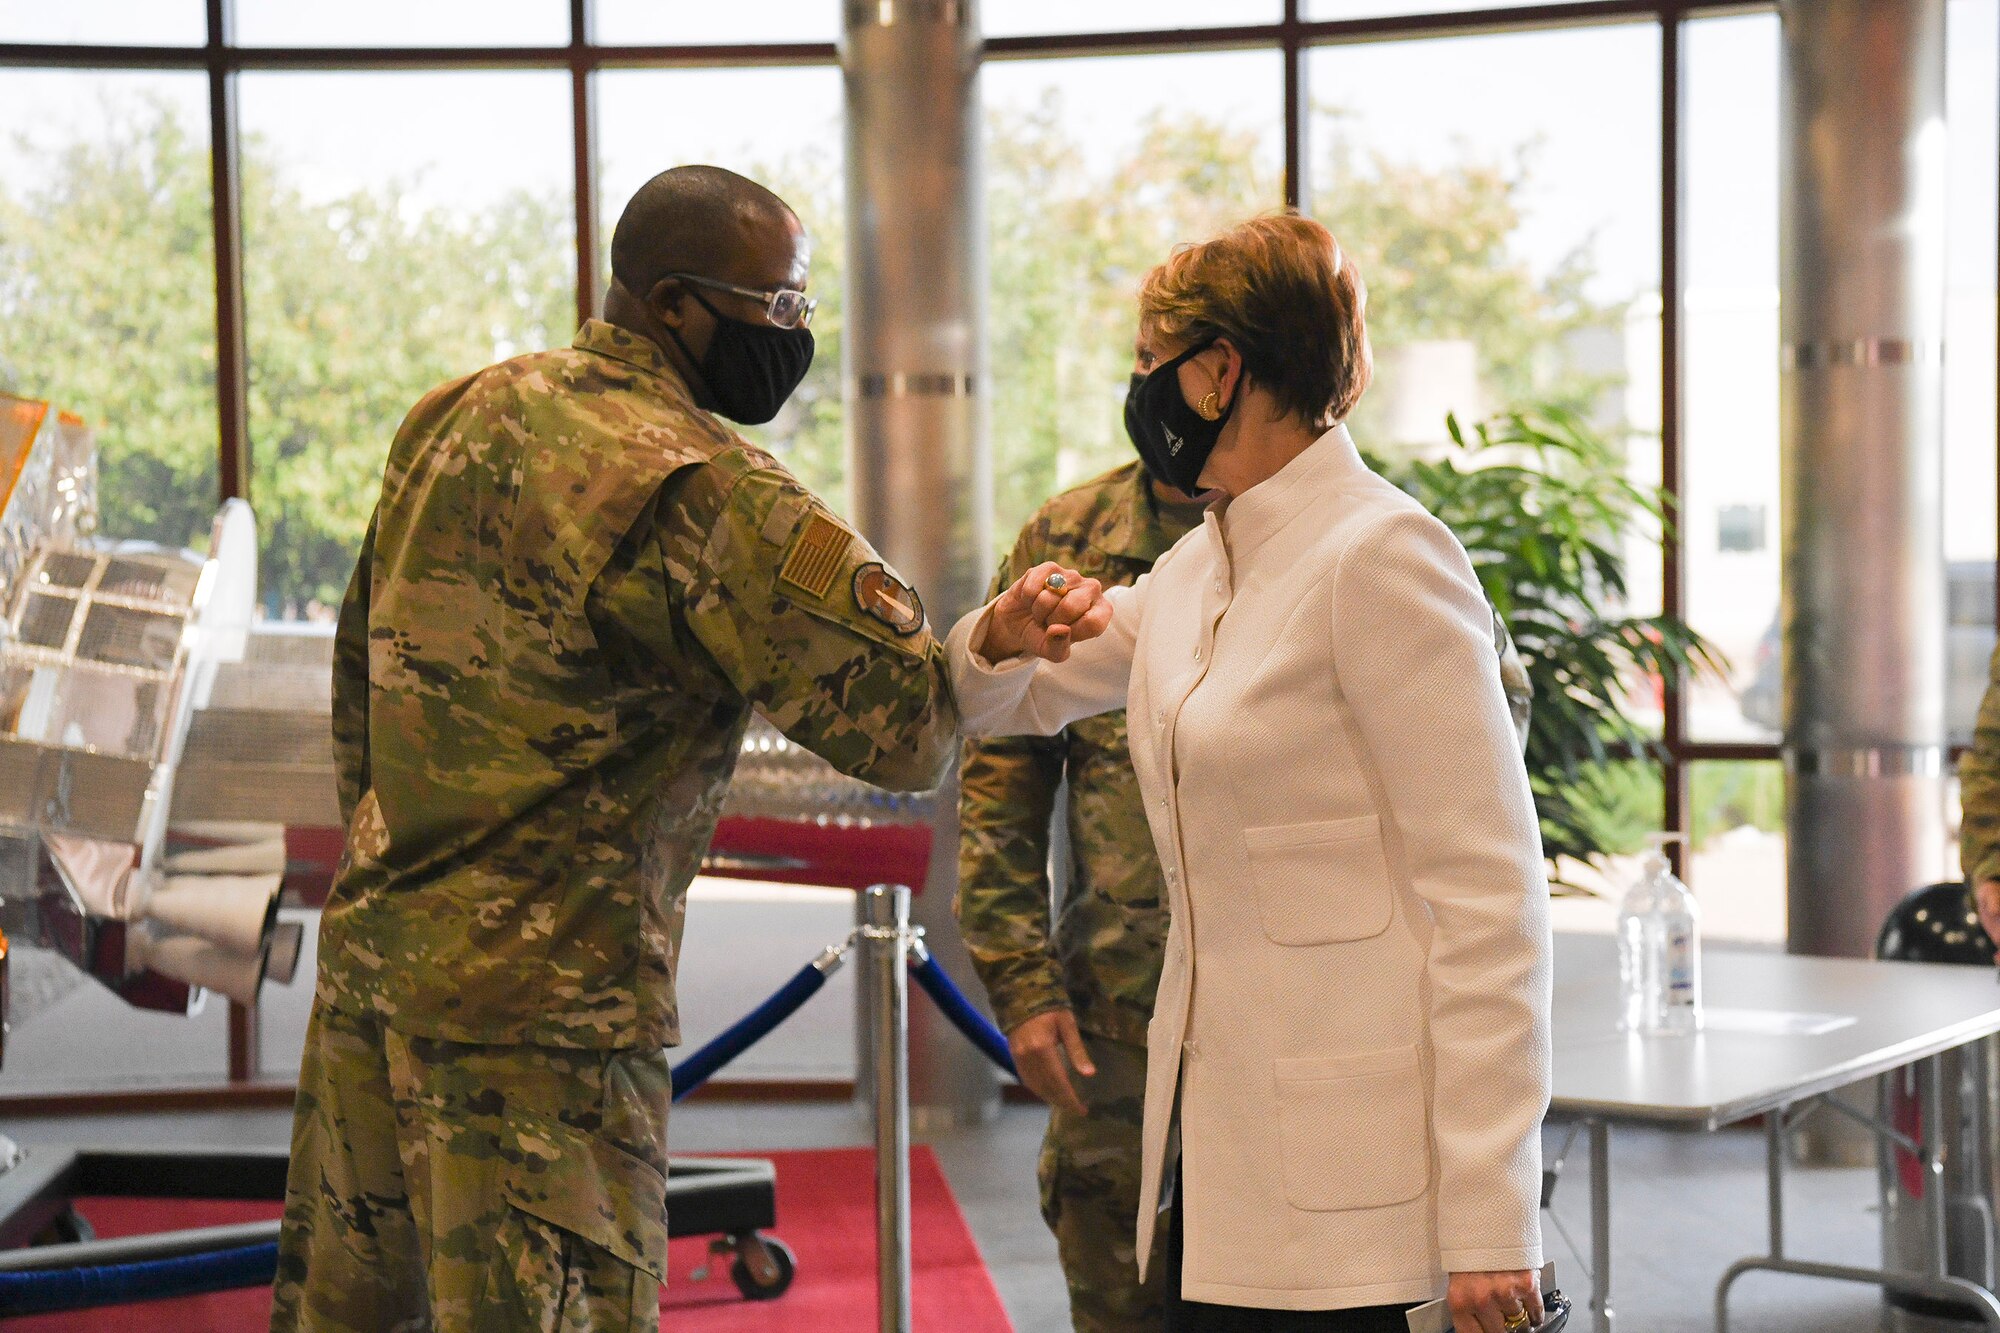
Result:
[
  {"x": 1979, "y": 788},
  {"x": 1104, "y": 955},
  {"x": 575, "y": 587},
  {"x": 1103, "y": 960}
]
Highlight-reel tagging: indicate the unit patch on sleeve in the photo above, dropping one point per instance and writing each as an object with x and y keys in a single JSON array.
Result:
[
  {"x": 816, "y": 556},
  {"x": 888, "y": 599}
]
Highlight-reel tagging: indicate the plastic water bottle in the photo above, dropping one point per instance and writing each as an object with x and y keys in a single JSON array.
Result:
[{"x": 1659, "y": 949}]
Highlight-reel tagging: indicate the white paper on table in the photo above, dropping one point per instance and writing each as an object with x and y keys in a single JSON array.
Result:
[{"x": 1774, "y": 1022}]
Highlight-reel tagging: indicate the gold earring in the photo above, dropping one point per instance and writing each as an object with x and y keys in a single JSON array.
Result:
[{"x": 1208, "y": 407}]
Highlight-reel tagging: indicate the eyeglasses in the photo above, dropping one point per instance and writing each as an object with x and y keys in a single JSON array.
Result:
[{"x": 785, "y": 307}]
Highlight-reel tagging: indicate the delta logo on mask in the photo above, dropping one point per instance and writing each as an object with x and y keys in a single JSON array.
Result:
[{"x": 1174, "y": 442}]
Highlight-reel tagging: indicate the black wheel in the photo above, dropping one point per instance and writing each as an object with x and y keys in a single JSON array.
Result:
[
  {"x": 777, "y": 1274},
  {"x": 66, "y": 1228}
]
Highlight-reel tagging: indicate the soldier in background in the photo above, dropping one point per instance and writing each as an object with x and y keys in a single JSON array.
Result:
[
  {"x": 1075, "y": 1000},
  {"x": 1078, "y": 997},
  {"x": 1979, "y": 807},
  {"x": 576, "y": 585}
]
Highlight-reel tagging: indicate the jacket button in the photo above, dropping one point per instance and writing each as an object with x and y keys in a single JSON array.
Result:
[{"x": 1197, "y": 652}]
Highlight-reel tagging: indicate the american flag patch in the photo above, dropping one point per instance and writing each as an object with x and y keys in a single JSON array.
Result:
[{"x": 816, "y": 557}]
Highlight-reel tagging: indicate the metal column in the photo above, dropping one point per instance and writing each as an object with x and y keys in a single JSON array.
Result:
[
  {"x": 919, "y": 471},
  {"x": 1862, "y": 281}
]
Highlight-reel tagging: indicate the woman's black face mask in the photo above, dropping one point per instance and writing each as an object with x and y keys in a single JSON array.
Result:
[
  {"x": 749, "y": 370},
  {"x": 1173, "y": 440}
]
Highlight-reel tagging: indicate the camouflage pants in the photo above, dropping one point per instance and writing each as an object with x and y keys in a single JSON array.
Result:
[
  {"x": 1089, "y": 1173},
  {"x": 449, "y": 1188}
]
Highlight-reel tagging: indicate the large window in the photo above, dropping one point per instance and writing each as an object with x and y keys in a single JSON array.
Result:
[
  {"x": 1488, "y": 189},
  {"x": 399, "y": 230},
  {"x": 107, "y": 281},
  {"x": 1095, "y": 169},
  {"x": 783, "y": 131},
  {"x": 1729, "y": 314}
]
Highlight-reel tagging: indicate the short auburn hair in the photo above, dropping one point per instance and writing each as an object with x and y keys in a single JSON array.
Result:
[{"x": 1282, "y": 290}]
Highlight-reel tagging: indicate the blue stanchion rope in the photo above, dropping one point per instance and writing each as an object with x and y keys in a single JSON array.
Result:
[
  {"x": 747, "y": 1031},
  {"x": 116, "y": 1284},
  {"x": 937, "y": 984}
]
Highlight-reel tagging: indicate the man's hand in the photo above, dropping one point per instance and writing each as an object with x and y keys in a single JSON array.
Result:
[
  {"x": 1484, "y": 1302},
  {"x": 1045, "y": 1048},
  {"x": 1047, "y": 609},
  {"x": 1986, "y": 899}
]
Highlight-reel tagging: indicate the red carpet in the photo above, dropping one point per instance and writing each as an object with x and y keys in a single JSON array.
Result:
[{"x": 826, "y": 1213}]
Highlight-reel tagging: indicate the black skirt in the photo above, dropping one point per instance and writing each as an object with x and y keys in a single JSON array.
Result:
[{"x": 1184, "y": 1316}]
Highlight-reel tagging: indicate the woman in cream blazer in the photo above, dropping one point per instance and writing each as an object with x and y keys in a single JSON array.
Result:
[{"x": 1349, "y": 1055}]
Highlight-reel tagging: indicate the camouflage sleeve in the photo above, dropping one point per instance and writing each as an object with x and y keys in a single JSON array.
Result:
[
  {"x": 1007, "y": 795},
  {"x": 1979, "y": 788},
  {"x": 816, "y": 631},
  {"x": 350, "y": 684}
]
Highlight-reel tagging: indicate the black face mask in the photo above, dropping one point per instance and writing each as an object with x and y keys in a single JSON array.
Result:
[
  {"x": 749, "y": 369},
  {"x": 1132, "y": 431},
  {"x": 1173, "y": 440}
]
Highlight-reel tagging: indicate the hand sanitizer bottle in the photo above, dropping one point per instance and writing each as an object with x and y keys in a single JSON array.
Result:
[{"x": 1659, "y": 949}]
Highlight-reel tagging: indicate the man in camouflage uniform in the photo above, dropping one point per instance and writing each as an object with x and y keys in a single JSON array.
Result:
[
  {"x": 1082, "y": 994},
  {"x": 576, "y": 585},
  {"x": 1079, "y": 998}
]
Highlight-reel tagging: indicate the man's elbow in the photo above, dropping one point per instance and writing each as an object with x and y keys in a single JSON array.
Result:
[{"x": 921, "y": 762}]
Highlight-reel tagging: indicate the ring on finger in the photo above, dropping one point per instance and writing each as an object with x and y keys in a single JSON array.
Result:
[
  {"x": 1517, "y": 1320},
  {"x": 1055, "y": 582}
]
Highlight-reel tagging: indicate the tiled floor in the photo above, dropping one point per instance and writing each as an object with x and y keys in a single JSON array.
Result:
[{"x": 1685, "y": 1206}]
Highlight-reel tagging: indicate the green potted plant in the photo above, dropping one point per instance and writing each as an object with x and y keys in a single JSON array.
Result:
[{"x": 1540, "y": 501}]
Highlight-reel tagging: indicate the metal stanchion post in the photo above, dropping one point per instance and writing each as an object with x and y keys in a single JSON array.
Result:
[{"x": 885, "y": 940}]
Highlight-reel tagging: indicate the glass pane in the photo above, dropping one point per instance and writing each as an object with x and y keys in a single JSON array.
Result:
[
  {"x": 1729, "y": 514},
  {"x": 158, "y": 580},
  {"x": 1737, "y": 870},
  {"x": 1510, "y": 242},
  {"x": 1095, "y": 170},
  {"x": 45, "y": 622},
  {"x": 1615, "y": 806},
  {"x": 400, "y": 229},
  {"x": 1972, "y": 91},
  {"x": 787, "y": 137},
  {"x": 66, "y": 571},
  {"x": 399, "y": 23},
  {"x": 650, "y": 23},
  {"x": 104, "y": 225},
  {"x": 83, "y": 708},
  {"x": 105, "y": 22},
  {"x": 1028, "y": 18},
  {"x": 125, "y": 637}
]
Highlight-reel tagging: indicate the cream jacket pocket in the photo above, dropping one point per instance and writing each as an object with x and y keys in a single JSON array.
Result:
[
  {"x": 1322, "y": 882},
  {"x": 1353, "y": 1130}
]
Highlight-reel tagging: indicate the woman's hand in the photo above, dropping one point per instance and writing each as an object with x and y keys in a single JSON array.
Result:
[
  {"x": 1047, "y": 610},
  {"x": 1485, "y": 1302}
]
